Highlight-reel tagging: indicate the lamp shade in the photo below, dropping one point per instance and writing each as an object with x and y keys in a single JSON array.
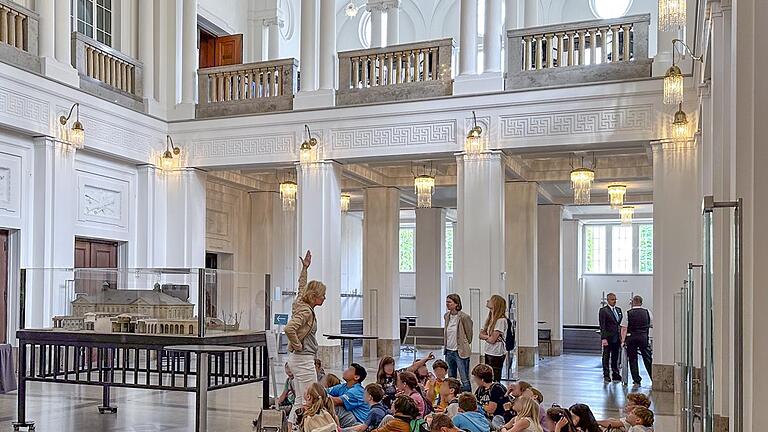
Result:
[
  {"x": 672, "y": 14},
  {"x": 424, "y": 186},
  {"x": 680, "y": 127},
  {"x": 673, "y": 86},
  {"x": 345, "y": 200},
  {"x": 581, "y": 183},
  {"x": 288, "y": 190},
  {"x": 616, "y": 194},
  {"x": 627, "y": 213}
]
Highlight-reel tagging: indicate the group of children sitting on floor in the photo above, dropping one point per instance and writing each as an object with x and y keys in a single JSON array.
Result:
[{"x": 415, "y": 400}]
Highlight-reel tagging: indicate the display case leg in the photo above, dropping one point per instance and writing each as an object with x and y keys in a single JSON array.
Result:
[
  {"x": 22, "y": 396},
  {"x": 105, "y": 407}
]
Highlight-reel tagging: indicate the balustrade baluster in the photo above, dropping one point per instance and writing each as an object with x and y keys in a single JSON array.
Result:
[
  {"x": 435, "y": 59},
  {"x": 560, "y": 49},
  {"x": 604, "y": 45},
  {"x": 571, "y": 49},
  {"x": 614, "y": 44},
  {"x": 549, "y": 51},
  {"x": 12, "y": 28},
  {"x": 19, "y": 31},
  {"x": 409, "y": 65},
  {"x": 380, "y": 65},
  {"x": 3, "y": 25},
  {"x": 627, "y": 55},
  {"x": 131, "y": 79},
  {"x": 537, "y": 44},
  {"x": 593, "y": 47},
  {"x": 355, "y": 72},
  {"x": 89, "y": 61},
  {"x": 582, "y": 47},
  {"x": 219, "y": 87}
]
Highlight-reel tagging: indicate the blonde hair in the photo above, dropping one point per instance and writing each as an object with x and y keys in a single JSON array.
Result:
[
  {"x": 318, "y": 400},
  {"x": 315, "y": 290},
  {"x": 529, "y": 409},
  {"x": 498, "y": 311}
]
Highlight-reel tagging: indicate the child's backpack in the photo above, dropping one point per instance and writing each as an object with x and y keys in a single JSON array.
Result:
[
  {"x": 509, "y": 338},
  {"x": 419, "y": 425}
]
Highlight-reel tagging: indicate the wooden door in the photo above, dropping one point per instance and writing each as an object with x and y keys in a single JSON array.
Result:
[
  {"x": 229, "y": 50},
  {"x": 207, "y": 50},
  {"x": 3, "y": 285},
  {"x": 211, "y": 284},
  {"x": 94, "y": 254}
]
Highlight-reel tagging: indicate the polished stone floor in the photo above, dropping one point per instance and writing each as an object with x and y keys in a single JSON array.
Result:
[{"x": 563, "y": 380}]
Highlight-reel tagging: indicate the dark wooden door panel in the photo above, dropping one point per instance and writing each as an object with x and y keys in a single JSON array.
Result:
[
  {"x": 229, "y": 50},
  {"x": 94, "y": 254},
  {"x": 207, "y": 50},
  {"x": 3, "y": 285}
]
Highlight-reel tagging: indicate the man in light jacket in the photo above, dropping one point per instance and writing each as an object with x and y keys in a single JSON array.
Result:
[{"x": 458, "y": 340}]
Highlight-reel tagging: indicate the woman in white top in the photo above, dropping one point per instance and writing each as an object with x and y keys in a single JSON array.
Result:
[{"x": 493, "y": 333}]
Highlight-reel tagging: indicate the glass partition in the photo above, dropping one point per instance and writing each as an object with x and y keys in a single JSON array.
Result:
[{"x": 174, "y": 302}]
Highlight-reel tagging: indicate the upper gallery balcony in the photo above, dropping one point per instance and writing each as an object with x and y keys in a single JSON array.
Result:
[{"x": 18, "y": 36}]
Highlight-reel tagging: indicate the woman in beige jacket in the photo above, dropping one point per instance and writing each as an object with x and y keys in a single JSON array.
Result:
[{"x": 301, "y": 332}]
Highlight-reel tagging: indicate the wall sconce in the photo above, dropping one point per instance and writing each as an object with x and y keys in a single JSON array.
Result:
[
  {"x": 672, "y": 14},
  {"x": 74, "y": 136},
  {"x": 166, "y": 161},
  {"x": 473, "y": 145},
  {"x": 616, "y": 194},
  {"x": 581, "y": 181},
  {"x": 673, "y": 79},
  {"x": 306, "y": 152},
  {"x": 345, "y": 200},
  {"x": 680, "y": 132}
]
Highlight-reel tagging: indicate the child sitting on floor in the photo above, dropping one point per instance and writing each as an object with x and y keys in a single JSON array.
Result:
[{"x": 319, "y": 413}]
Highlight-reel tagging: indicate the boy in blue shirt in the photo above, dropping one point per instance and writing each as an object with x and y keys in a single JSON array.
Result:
[
  {"x": 374, "y": 394},
  {"x": 349, "y": 397},
  {"x": 469, "y": 418}
]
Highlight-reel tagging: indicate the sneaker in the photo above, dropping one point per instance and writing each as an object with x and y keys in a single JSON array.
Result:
[{"x": 617, "y": 377}]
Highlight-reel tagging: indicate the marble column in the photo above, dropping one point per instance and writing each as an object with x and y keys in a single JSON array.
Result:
[
  {"x": 492, "y": 38},
  {"x": 327, "y": 45},
  {"x": 531, "y": 13},
  {"x": 479, "y": 235},
  {"x": 147, "y": 47},
  {"x": 188, "y": 52},
  {"x": 257, "y": 37},
  {"x": 185, "y": 235},
  {"x": 676, "y": 242},
  {"x": 550, "y": 267},
  {"x": 55, "y": 40},
  {"x": 521, "y": 228},
  {"x": 63, "y": 32},
  {"x": 376, "y": 8},
  {"x": 273, "y": 26},
  {"x": 47, "y": 28},
  {"x": 308, "y": 45},
  {"x": 431, "y": 286},
  {"x": 151, "y": 216},
  {"x": 319, "y": 230},
  {"x": 512, "y": 15},
  {"x": 381, "y": 271},
  {"x": 468, "y": 38},
  {"x": 572, "y": 313},
  {"x": 393, "y": 22}
]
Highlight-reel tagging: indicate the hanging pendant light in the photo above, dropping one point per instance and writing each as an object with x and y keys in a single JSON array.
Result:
[
  {"x": 672, "y": 14},
  {"x": 288, "y": 190},
  {"x": 627, "y": 213},
  {"x": 680, "y": 127},
  {"x": 616, "y": 194},
  {"x": 474, "y": 145},
  {"x": 345, "y": 200},
  {"x": 581, "y": 183},
  {"x": 306, "y": 151},
  {"x": 673, "y": 79},
  {"x": 424, "y": 185}
]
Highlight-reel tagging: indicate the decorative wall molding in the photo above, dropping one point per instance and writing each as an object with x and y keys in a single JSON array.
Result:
[
  {"x": 576, "y": 122},
  {"x": 218, "y": 224},
  {"x": 102, "y": 200},
  {"x": 25, "y": 107},
  {"x": 10, "y": 184},
  {"x": 396, "y": 135},
  {"x": 244, "y": 146}
]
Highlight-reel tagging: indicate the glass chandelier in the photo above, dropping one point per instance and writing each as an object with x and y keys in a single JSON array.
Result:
[
  {"x": 425, "y": 187},
  {"x": 680, "y": 126},
  {"x": 673, "y": 79},
  {"x": 306, "y": 151},
  {"x": 627, "y": 213},
  {"x": 288, "y": 190},
  {"x": 345, "y": 199},
  {"x": 581, "y": 182},
  {"x": 616, "y": 194},
  {"x": 672, "y": 14},
  {"x": 473, "y": 145}
]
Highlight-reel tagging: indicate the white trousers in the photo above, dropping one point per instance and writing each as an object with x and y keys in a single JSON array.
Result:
[{"x": 304, "y": 375}]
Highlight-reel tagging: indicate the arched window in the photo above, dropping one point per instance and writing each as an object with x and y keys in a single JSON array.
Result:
[{"x": 606, "y": 9}]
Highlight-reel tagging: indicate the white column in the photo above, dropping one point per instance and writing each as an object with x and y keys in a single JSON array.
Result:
[
  {"x": 273, "y": 26},
  {"x": 327, "y": 44},
  {"x": 479, "y": 235},
  {"x": 531, "y": 17},
  {"x": 376, "y": 8},
  {"x": 63, "y": 32},
  {"x": 492, "y": 37},
  {"x": 468, "y": 38},
  {"x": 54, "y": 42},
  {"x": 308, "y": 46},
  {"x": 127, "y": 28},
  {"x": 512, "y": 15},
  {"x": 572, "y": 313},
  {"x": 549, "y": 264},
  {"x": 185, "y": 230},
  {"x": 676, "y": 242},
  {"x": 431, "y": 286},
  {"x": 189, "y": 51},
  {"x": 151, "y": 217},
  {"x": 381, "y": 272},
  {"x": 319, "y": 230},
  {"x": 147, "y": 47},
  {"x": 393, "y": 22},
  {"x": 46, "y": 28},
  {"x": 522, "y": 265},
  {"x": 53, "y": 238}
]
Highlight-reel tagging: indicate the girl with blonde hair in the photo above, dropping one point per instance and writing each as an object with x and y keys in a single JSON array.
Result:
[
  {"x": 319, "y": 412},
  {"x": 527, "y": 419},
  {"x": 493, "y": 334},
  {"x": 301, "y": 332}
]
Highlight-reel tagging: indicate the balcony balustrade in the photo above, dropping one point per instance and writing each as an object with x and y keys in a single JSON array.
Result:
[
  {"x": 107, "y": 73},
  {"x": 266, "y": 86},
  {"x": 18, "y": 36},
  {"x": 400, "y": 72},
  {"x": 579, "y": 52}
]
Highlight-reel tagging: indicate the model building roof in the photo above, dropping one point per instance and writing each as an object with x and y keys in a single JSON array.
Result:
[{"x": 126, "y": 297}]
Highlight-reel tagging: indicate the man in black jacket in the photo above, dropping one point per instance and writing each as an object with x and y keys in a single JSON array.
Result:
[
  {"x": 635, "y": 336},
  {"x": 610, "y": 321}
]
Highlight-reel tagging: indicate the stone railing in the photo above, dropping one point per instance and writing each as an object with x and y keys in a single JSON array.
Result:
[
  {"x": 247, "y": 88},
  {"x": 400, "y": 72},
  {"x": 579, "y": 52},
  {"x": 18, "y": 36},
  {"x": 106, "y": 72}
]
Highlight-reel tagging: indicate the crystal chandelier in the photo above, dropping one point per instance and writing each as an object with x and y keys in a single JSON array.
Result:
[
  {"x": 288, "y": 191},
  {"x": 474, "y": 143},
  {"x": 581, "y": 182},
  {"x": 345, "y": 199},
  {"x": 306, "y": 151},
  {"x": 672, "y": 14},
  {"x": 673, "y": 79},
  {"x": 680, "y": 131},
  {"x": 616, "y": 194},
  {"x": 424, "y": 186},
  {"x": 626, "y": 213}
]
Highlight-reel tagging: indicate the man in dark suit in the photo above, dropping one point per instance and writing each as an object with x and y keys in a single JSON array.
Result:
[{"x": 610, "y": 321}]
